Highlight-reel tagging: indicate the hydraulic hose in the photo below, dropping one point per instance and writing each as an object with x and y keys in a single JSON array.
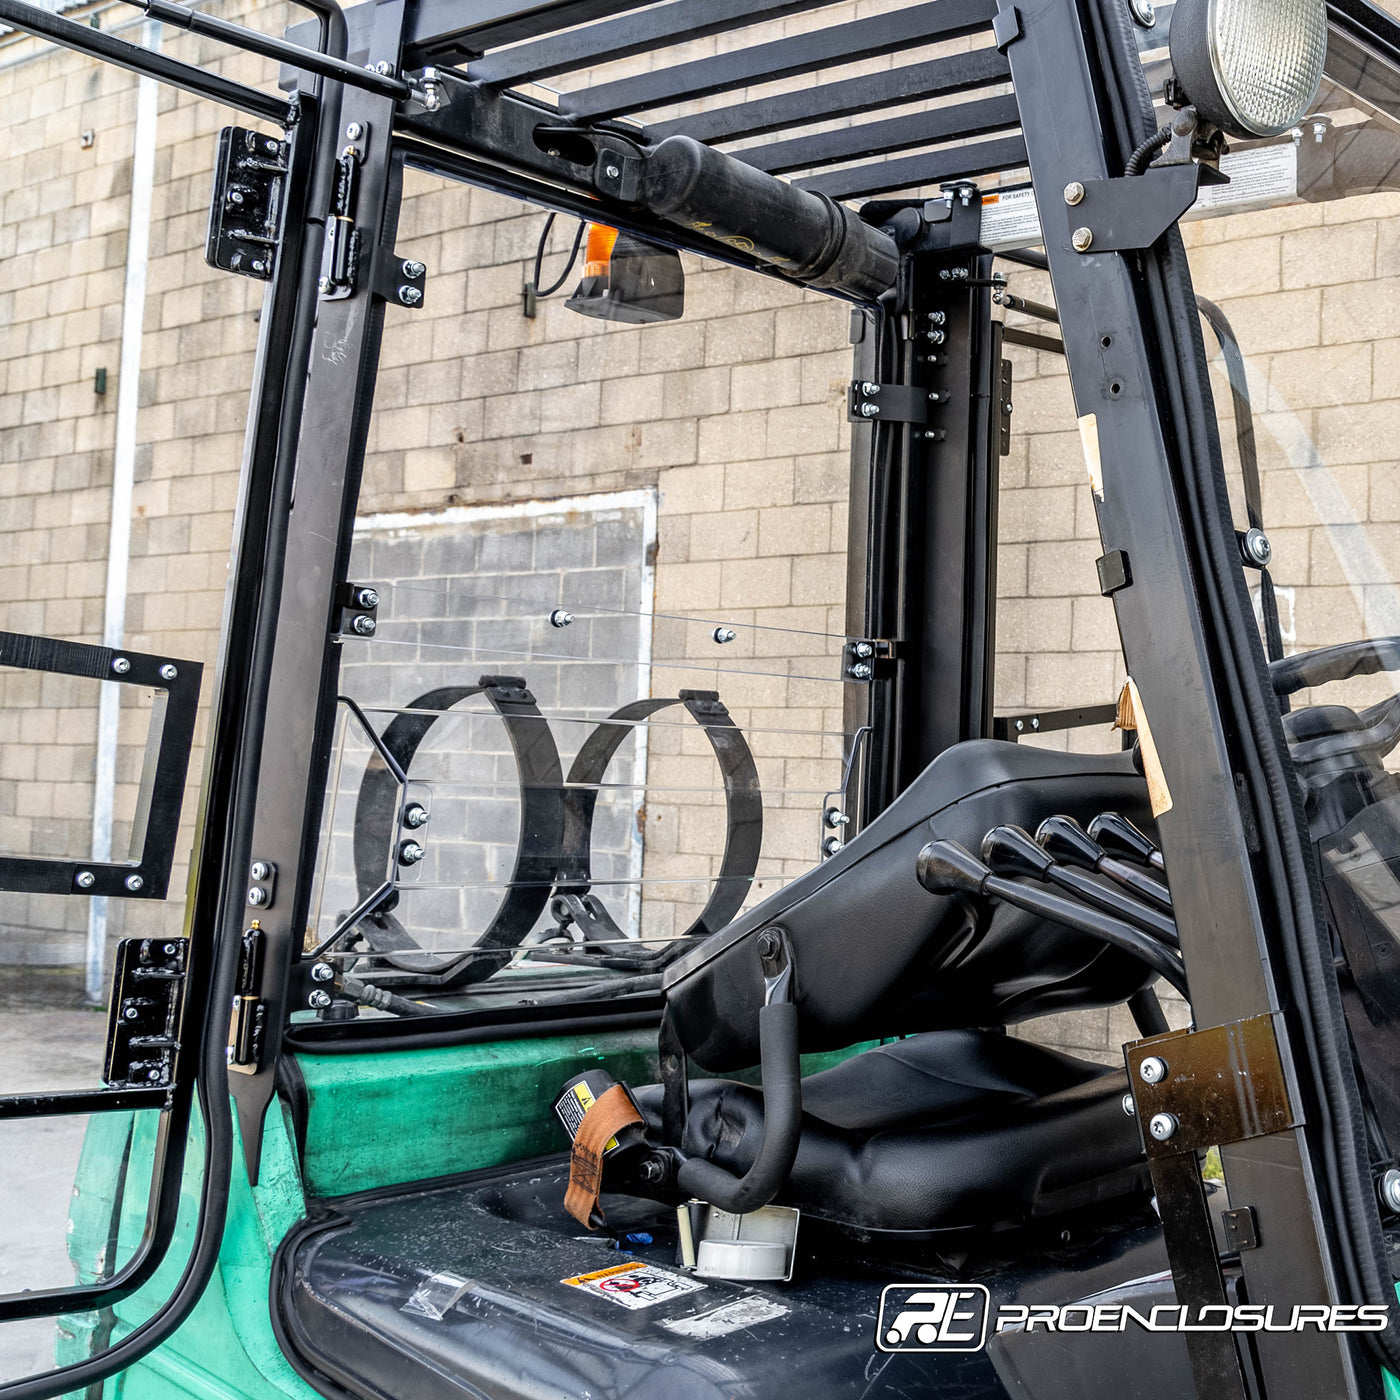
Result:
[{"x": 782, "y": 1124}]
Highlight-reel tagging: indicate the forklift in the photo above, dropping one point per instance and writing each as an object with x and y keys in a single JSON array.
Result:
[{"x": 790, "y": 1148}]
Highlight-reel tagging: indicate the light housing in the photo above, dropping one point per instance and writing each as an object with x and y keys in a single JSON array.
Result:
[
  {"x": 627, "y": 279},
  {"x": 1250, "y": 66}
]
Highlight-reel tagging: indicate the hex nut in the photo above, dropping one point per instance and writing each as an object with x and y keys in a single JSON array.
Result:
[
  {"x": 363, "y": 625},
  {"x": 1074, "y": 192},
  {"x": 319, "y": 998},
  {"x": 415, "y": 815},
  {"x": 322, "y": 972}
]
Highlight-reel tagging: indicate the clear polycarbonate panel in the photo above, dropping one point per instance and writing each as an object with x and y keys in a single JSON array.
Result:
[{"x": 561, "y": 603}]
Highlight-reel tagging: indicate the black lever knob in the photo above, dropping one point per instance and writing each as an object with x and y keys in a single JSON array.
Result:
[
  {"x": 1119, "y": 837},
  {"x": 947, "y": 868},
  {"x": 1011, "y": 850},
  {"x": 1067, "y": 842}
]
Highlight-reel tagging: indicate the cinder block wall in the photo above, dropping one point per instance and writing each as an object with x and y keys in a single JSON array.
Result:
[{"x": 735, "y": 416}]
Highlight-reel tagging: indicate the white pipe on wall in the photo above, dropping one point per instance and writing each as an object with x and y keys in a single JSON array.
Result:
[{"x": 138, "y": 244}]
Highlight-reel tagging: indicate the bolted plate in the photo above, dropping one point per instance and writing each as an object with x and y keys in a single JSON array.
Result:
[{"x": 1223, "y": 1084}]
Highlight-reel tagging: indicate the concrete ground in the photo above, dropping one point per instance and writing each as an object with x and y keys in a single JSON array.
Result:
[{"x": 41, "y": 1048}]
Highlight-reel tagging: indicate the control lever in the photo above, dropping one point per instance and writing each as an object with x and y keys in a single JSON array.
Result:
[
  {"x": 1070, "y": 844},
  {"x": 1009, "y": 850},
  {"x": 945, "y": 867},
  {"x": 1119, "y": 837},
  {"x": 782, "y": 1095}
]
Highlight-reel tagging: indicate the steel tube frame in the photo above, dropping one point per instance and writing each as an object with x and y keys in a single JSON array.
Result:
[{"x": 97, "y": 44}]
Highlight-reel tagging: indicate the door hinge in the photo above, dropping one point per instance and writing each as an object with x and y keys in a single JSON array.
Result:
[
  {"x": 245, "y": 211},
  {"x": 248, "y": 1024},
  {"x": 144, "y": 1015}
]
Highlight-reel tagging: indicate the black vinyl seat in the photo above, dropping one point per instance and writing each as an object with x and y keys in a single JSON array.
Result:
[{"x": 950, "y": 1130}]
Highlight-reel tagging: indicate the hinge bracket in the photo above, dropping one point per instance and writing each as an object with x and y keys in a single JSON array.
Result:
[
  {"x": 144, "y": 1016},
  {"x": 868, "y": 402}
]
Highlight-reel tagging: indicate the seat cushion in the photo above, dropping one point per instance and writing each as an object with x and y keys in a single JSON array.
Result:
[{"x": 951, "y": 1130}]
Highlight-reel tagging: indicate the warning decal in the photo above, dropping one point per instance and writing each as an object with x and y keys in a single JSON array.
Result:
[{"x": 635, "y": 1285}]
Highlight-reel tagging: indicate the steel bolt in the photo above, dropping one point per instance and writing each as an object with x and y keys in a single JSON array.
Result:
[
  {"x": 653, "y": 1170},
  {"x": 861, "y": 671},
  {"x": 130, "y": 1014},
  {"x": 869, "y": 388},
  {"x": 834, "y": 816},
  {"x": 410, "y": 853},
  {"x": 1320, "y": 129},
  {"x": 935, "y": 335},
  {"x": 869, "y": 410},
  {"x": 864, "y": 650},
  {"x": 1129, "y": 1107},
  {"x": 832, "y": 845},
  {"x": 153, "y": 1075},
  {"x": 1144, "y": 12},
  {"x": 937, "y": 318},
  {"x": 723, "y": 635},
  {"x": 168, "y": 672},
  {"x": 260, "y": 870},
  {"x": 768, "y": 944},
  {"x": 410, "y": 296},
  {"x": 367, "y": 597},
  {"x": 354, "y": 131},
  {"x": 1153, "y": 1070},
  {"x": 169, "y": 950},
  {"x": 1257, "y": 548},
  {"x": 1083, "y": 239},
  {"x": 934, "y": 434},
  {"x": 613, "y": 172},
  {"x": 235, "y": 197},
  {"x": 318, "y": 997},
  {"x": 121, "y": 665},
  {"x": 134, "y": 883},
  {"x": 1074, "y": 192},
  {"x": 323, "y": 285},
  {"x": 561, "y": 617},
  {"x": 322, "y": 972},
  {"x": 1163, "y": 1126},
  {"x": 414, "y": 270},
  {"x": 1390, "y": 1189},
  {"x": 384, "y": 68},
  {"x": 415, "y": 815},
  {"x": 257, "y": 896},
  {"x": 85, "y": 879},
  {"x": 259, "y": 265},
  {"x": 364, "y": 625}
]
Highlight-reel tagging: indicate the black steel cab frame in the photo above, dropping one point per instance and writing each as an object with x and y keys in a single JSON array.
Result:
[{"x": 446, "y": 88}]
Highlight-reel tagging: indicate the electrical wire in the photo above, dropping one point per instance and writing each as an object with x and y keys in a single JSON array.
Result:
[{"x": 563, "y": 277}]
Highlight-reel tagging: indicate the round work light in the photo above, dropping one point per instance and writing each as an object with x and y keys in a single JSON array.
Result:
[{"x": 1250, "y": 66}]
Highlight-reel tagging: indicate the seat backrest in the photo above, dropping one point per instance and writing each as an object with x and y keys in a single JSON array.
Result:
[{"x": 876, "y": 954}]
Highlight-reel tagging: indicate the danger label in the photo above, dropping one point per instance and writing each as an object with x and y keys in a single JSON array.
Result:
[
  {"x": 571, "y": 1108},
  {"x": 635, "y": 1285}
]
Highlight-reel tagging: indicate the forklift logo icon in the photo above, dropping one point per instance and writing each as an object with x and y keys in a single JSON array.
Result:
[{"x": 939, "y": 1317}]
